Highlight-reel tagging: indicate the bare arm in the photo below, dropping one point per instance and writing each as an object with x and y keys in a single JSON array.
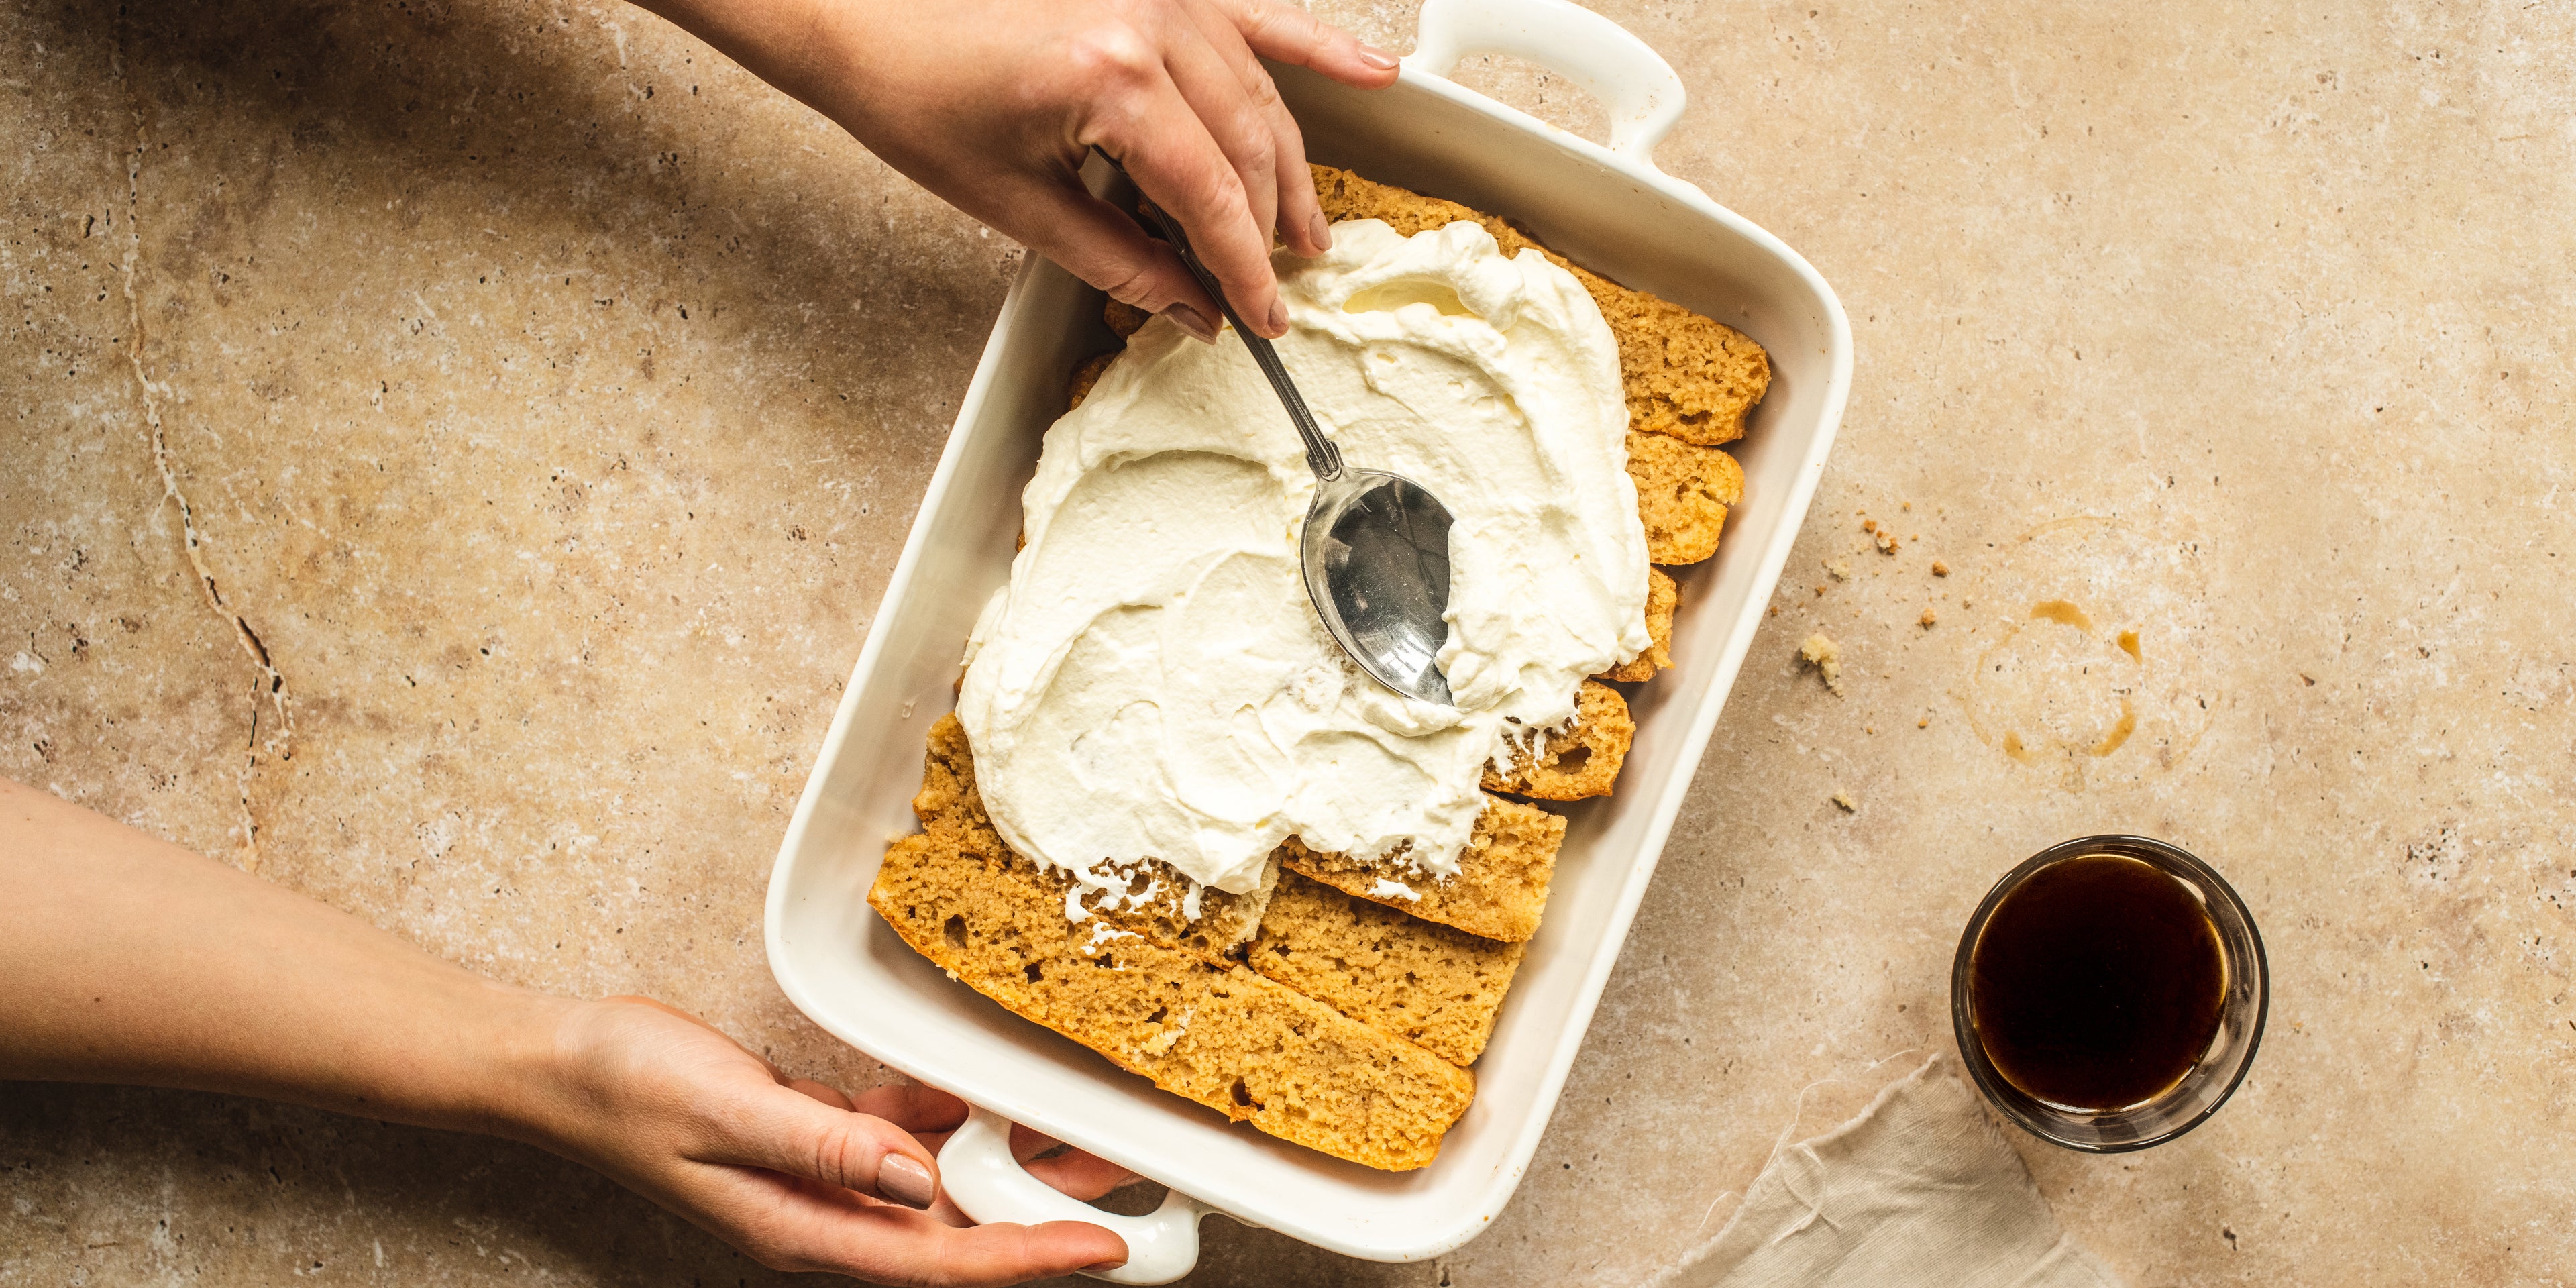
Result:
[{"x": 132, "y": 960}]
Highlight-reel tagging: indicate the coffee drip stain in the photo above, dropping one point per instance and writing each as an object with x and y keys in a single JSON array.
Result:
[{"x": 2063, "y": 612}]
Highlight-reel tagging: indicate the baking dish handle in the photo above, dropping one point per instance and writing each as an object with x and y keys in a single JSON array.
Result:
[
  {"x": 977, "y": 1172},
  {"x": 1640, "y": 91}
]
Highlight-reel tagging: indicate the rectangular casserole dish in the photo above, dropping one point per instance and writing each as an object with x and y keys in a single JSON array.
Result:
[{"x": 1607, "y": 208}]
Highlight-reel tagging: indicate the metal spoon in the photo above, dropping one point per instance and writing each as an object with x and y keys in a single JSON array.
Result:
[{"x": 1376, "y": 546}]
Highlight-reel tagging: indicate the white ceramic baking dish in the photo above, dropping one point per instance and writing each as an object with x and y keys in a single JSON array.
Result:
[{"x": 1608, "y": 208}]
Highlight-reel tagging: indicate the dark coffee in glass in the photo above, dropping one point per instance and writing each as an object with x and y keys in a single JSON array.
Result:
[
  {"x": 2097, "y": 983},
  {"x": 2109, "y": 993}
]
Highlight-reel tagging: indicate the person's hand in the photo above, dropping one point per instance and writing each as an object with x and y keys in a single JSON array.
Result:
[
  {"x": 792, "y": 1172},
  {"x": 993, "y": 104}
]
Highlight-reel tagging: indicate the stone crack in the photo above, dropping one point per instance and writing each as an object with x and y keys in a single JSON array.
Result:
[{"x": 272, "y": 718}]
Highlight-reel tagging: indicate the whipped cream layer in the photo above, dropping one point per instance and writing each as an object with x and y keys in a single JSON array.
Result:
[{"x": 1154, "y": 683}]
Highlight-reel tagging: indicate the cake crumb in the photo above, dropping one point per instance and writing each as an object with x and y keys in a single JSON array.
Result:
[
  {"x": 1907, "y": 504},
  {"x": 1886, "y": 539},
  {"x": 1924, "y": 723},
  {"x": 1940, "y": 569},
  {"x": 1827, "y": 657},
  {"x": 1845, "y": 800},
  {"x": 1869, "y": 525},
  {"x": 1926, "y": 620},
  {"x": 1839, "y": 569}
]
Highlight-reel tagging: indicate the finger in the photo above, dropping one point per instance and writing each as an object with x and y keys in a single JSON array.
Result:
[
  {"x": 817, "y": 1091},
  {"x": 1222, "y": 82},
  {"x": 913, "y": 1107},
  {"x": 1008, "y": 1254},
  {"x": 948, "y": 1213},
  {"x": 930, "y": 1115},
  {"x": 1168, "y": 151},
  {"x": 1100, "y": 244},
  {"x": 928, "y": 1253},
  {"x": 1287, "y": 34},
  {"x": 1071, "y": 1171},
  {"x": 790, "y": 1230},
  {"x": 1028, "y": 1142},
  {"x": 917, "y": 1110},
  {"x": 802, "y": 1137},
  {"x": 1297, "y": 216},
  {"x": 1301, "y": 215},
  {"x": 1076, "y": 1174}
]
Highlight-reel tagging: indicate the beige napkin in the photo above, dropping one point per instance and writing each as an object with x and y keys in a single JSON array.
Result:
[{"x": 1922, "y": 1188}]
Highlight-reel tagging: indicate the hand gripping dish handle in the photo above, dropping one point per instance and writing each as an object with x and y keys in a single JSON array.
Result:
[
  {"x": 1632, "y": 81},
  {"x": 976, "y": 1171}
]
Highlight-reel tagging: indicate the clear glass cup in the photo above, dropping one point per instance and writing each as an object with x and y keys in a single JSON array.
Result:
[{"x": 2188, "y": 1103}]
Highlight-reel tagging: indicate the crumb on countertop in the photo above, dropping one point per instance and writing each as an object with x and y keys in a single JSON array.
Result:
[
  {"x": 1845, "y": 800},
  {"x": 1826, "y": 656},
  {"x": 1839, "y": 569},
  {"x": 1926, "y": 620},
  {"x": 1940, "y": 569}
]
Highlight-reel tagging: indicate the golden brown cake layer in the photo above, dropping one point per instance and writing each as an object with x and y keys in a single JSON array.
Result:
[
  {"x": 1085, "y": 376},
  {"x": 1251, "y": 1049},
  {"x": 1683, "y": 494},
  {"x": 1427, "y": 983},
  {"x": 1501, "y": 886},
  {"x": 1685, "y": 375},
  {"x": 949, "y": 806},
  {"x": 1577, "y": 760},
  {"x": 1663, "y": 598}
]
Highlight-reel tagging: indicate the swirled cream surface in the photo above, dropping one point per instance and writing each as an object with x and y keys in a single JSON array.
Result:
[{"x": 1154, "y": 683}]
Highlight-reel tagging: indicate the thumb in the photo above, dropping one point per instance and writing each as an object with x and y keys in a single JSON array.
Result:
[{"x": 783, "y": 1129}]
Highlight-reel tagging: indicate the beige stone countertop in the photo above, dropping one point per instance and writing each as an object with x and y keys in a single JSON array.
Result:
[{"x": 450, "y": 451}]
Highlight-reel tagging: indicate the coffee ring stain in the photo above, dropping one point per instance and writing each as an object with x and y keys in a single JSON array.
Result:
[{"x": 2065, "y": 682}]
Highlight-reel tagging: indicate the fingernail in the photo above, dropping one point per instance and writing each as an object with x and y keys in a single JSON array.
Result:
[
  {"x": 904, "y": 1181},
  {"x": 1377, "y": 59},
  {"x": 1323, "y": 231},
  {"x": 1279, "y": 316},
  {"x": 1191, "y": 320}
]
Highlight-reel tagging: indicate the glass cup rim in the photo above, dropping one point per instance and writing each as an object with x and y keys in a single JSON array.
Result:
[{"x": 2162, "y": 854}]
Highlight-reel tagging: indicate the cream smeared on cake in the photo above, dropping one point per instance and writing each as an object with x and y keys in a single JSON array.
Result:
[{"x": 1153, "y": 683}]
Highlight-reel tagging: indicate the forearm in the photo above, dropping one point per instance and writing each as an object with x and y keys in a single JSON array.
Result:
[
  {"x": 129, "y": 959},
  {"x": 798, "y": 46}
]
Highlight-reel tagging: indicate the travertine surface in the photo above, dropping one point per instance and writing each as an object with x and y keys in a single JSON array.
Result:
[{"x": 547, "y": 401}]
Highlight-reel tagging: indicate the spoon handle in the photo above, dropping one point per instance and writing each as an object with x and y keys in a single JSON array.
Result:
[{"x": 1321, "y": 454}]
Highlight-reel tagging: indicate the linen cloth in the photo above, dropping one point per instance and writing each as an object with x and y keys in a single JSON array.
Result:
[{"x": 1921, "y": 1188}]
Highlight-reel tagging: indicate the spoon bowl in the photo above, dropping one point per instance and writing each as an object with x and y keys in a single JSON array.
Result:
[{"x": 1376, "y": 555}]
